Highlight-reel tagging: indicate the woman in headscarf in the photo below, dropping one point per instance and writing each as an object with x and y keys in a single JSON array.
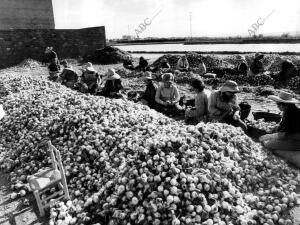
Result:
[
  {"x": 288, "y": 70},
  {"x": 183, "y": 64},
  {"x": 167, "y": 96},
  {"x": 200, "y": 111},
  {"x": 54, "y": 66},
  {"x": 128, "y": 64},
  {"x": 257, "y": 66},
  {"x": 143, "y": 64},
  {"x": 242, "y": 68},
  {"x": 165, "y": 67},
  {"x": 148, "y": 97}
]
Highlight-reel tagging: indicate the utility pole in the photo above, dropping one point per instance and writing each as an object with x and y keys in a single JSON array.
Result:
[
  {"x": 128, "y": 30},
  {"x": 191, "y": 34}
]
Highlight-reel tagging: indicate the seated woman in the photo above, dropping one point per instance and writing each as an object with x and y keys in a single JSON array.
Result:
[
  {"x": 165, "y": 67},
  {"x": 128, "y": 64},
  {"x": 223, "y": 107},
  {"x": 54, "y": 65},
  {"x": 113, "y": 85},
  {"x": 242, "y": 68},
  {"x": 167, "y": 96},
  {"x": 287, "y": 135},
  {"x": 143, "y": 64},
  {"x": 200, "y": 112},
  {"x": 91, "y": 78},
  {"x": 201, "y": 69},
  {"x": 68, "y": 76},
  {"x": 148, "y": 97},
  {"x": 257, "y": 66},
  {"x": 288, "y": 70},
  {"x": 183, "y": 64}
]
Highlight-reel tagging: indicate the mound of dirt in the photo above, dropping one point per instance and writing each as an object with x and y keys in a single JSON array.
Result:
[{"x": 108, "y": 55}]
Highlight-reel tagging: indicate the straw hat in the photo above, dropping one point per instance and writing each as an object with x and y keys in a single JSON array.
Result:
[
  {"x": 2, "y": 113},
  {"x": 230, "y": 86},
  {"x": 147, "y": 76},
  {"x": 167, "y": 77},
  {"x": 112, "y": 75},
  {"x": 48, "y": 50},
  {"x": 284, "y": 97},
  {"x": 89, "y": 67}
]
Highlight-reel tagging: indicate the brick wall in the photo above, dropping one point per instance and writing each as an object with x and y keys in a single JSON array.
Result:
[
  {"x": 26, "y": 14},
  {"x": 17, "y": 45}
]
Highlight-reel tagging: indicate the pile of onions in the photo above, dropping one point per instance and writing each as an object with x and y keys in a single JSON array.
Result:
[{"x": 127, "y": 164}]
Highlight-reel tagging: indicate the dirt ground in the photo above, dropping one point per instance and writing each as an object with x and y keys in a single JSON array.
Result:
[{"x": 15, "y": 213}]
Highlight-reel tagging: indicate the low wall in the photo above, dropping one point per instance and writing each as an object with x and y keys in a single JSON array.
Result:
[{"x": 17, "y": 45}]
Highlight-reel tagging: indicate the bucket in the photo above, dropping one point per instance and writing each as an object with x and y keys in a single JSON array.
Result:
[{"x": 245, "y": 110}]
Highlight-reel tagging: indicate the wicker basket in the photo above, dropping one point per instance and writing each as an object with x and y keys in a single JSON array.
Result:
[{"x": 268, "y": 117}]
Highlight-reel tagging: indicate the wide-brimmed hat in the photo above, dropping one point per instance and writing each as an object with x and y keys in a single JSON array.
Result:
[
  {"x": 89, "y": 67},
  {"x": 147, "y": 76},
  {"x": 230, "y": 86},
  {"x": 167, "y": 77},
  {"x": 48, "y": 49},
  {"x": 2, "y": 113},
  {"x": 284, "y": 97},
  {"x": 112, "y": 75}
]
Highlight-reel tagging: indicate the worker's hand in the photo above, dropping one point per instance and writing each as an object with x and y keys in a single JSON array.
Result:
[{"x": 236, "y": 115}]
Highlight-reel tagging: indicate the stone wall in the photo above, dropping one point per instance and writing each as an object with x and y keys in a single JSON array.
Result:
[
  {"x": 26, "y": 14},
  {"x": 17, "y": 45}
]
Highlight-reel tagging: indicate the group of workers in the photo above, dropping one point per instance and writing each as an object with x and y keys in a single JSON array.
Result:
[
  {"x": 209, "y": 106},
  {"x": 88, "y": 82},
  {"x": 287, "y": 71}
]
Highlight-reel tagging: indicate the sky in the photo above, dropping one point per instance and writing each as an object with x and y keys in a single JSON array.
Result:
[{"x": 180, "y": 18}]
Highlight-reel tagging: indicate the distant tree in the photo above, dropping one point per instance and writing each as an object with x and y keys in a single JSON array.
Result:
[
  {"x": 285, "y": 35},
  {"x": 260, "y": 36}
]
